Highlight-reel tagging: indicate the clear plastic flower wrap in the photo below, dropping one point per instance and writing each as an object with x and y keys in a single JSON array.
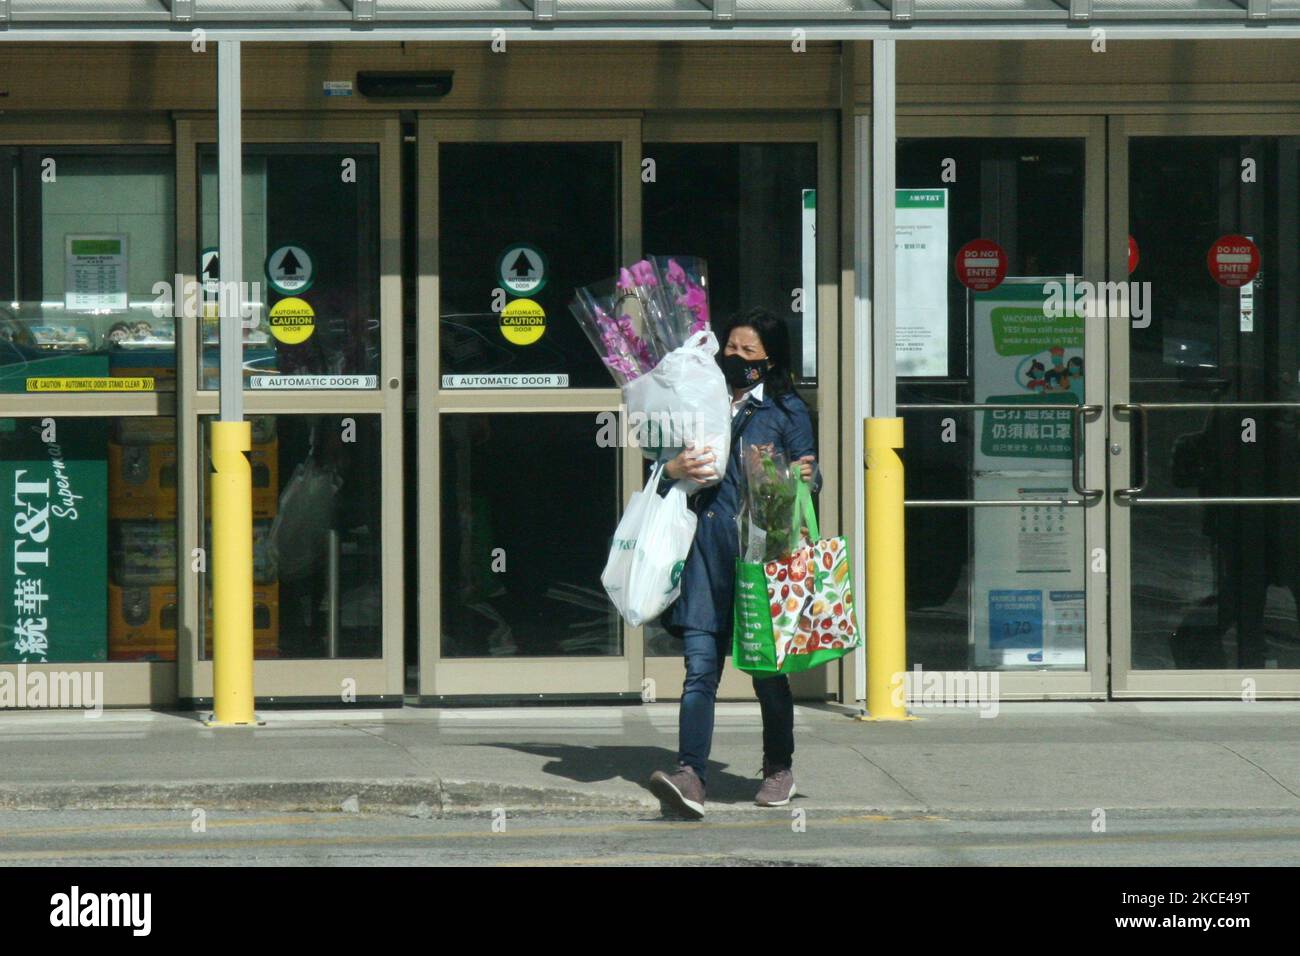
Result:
[
  {"x": 642, "y": 295},
  {"x": 611, "y": 331},
  {"x": 769, "y": 528},
  {"x": 685, "y": 287},
  {"x": 651, "y": 308}
]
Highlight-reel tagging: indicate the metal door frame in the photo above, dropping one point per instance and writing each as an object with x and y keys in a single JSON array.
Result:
[
  {"x": 1092, "y": 681},
  {"x": 1124, "y": 472},
  {"x": 447, "y": 681},
  {"x": 373, "y": 680}
]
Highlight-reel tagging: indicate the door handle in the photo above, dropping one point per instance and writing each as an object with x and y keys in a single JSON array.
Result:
[
  {"x": 1077, "y": 466},
  {"x": 1139, "y": 410},
  {"x": 1077, "y": 415},
  {"x": 1137, "y": 441}
]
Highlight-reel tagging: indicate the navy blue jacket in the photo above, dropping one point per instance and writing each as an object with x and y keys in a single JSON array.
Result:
[{"x": 709, "y": 577}]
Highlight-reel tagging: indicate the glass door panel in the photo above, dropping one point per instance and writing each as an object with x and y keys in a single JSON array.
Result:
[
  {"x": 323, "y": 377},
  {"x": 558, "y": 200},
  {"x": 519, "y": 492},
  {"x": 744, "y": 208},
  {"x": 311, "y": 264},
  {"x": 1208, "y": 488},
  {"x": 1000, "y": 401}
]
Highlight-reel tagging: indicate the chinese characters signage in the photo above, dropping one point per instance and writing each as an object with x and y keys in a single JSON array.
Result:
[{"x": 53, "y": 541}]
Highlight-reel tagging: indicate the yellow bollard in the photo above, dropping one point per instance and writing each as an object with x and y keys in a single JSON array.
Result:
[
  {"x": 886, "y": 599},
  {"x": 232, "y": 575}
]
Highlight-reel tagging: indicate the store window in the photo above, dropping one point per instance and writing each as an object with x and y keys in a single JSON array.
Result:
[
  {"x": 316, "y": 537},
  {"x": 749, "y": 209},
  {"x": 529, "y": 505},
  {"x": 996, "y": 587},
  {"x": 91, "y": 525},
  {"x": 311, "y": 264},
  {"x": 526, "y": 223},
  {"x": 89, "y": 244}
]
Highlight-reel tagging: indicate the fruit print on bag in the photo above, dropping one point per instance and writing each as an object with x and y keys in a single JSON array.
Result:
[{"x": 828, "y": 620}]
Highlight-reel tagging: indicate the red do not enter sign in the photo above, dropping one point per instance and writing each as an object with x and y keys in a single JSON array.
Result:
[
  {"x": 981, "y": 265},
  {"x": 1233, "y": 261}
]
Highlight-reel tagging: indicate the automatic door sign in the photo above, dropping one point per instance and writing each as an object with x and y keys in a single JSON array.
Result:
[
  {"x": 292, "y": 321},
  {"x": 981, "y": 265},
  {"x": 289, "y": 270},
  {"x": 522, "y": 269},
  {"x": 523, "y": 321},
  {"x": 1233, "y": 261}
]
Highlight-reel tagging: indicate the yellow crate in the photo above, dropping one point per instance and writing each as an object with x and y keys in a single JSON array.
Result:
[
  {"x": 141, "y": 481},
  {"x": 142, "y": 622},
  {"x": 265, "y": 461}
]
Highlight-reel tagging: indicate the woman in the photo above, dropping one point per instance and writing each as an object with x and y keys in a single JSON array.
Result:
[{"x": 764, "y": 410}]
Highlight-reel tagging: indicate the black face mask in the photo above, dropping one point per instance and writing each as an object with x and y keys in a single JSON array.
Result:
[{"x": 742, "y": 374}]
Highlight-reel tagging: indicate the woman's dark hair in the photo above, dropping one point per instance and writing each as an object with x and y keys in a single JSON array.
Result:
[{"x": 775, "y": 336}]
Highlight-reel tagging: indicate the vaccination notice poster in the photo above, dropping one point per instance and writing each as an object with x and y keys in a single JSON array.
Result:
[
  {"x": 921, "y": 276},
  {"x": 1024, "y": 356},
  {"x": 1027, "y": 591},
  {"x": 54, "y": 540}
]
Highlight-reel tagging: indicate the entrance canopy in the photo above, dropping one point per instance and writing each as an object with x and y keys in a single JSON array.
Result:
[{"x": 290, "y": 20}]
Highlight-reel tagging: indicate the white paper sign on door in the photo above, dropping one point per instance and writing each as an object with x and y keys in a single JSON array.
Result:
[
  {"x": 921, "y": 278},
  {"x": 808, "y": 259},
  {"x": 95, "y": 273},
  {"x": 1027, "y": 588}
]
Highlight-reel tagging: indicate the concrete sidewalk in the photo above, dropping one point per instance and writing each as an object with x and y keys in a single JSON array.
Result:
[{"x": 1039, "y": 757}]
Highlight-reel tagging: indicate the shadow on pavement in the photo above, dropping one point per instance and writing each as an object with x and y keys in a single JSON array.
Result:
[{"x": 635, "y": 765}]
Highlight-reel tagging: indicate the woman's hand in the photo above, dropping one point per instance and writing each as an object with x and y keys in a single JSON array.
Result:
[
  {"x": 695, "y": 464},
  {"x": 805, "y": 466}
]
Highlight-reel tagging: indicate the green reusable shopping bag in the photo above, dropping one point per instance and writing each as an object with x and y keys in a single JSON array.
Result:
[{"x": 795, "y": 613}]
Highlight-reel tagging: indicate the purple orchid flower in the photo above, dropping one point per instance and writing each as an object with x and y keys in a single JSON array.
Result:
[
  {"x": 644, "y": 273},
  {"x": 676, "y": 274},
  {"x": 697, "y": 301}
]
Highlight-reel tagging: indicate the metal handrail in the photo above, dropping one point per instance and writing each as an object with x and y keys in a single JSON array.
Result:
[
  {"x": 1077, "y": 415},
  {"x": 1139, "y": 412}
]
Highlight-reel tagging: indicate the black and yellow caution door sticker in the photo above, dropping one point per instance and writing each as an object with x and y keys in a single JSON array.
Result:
[
  {"x": 292, "y": 321},
  {"x": 523, "y": 321}
]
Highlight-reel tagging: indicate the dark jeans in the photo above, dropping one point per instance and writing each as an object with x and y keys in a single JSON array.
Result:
[{"x": 706, "y": 655}]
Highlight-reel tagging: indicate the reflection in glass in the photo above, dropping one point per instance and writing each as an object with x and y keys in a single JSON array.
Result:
[
  {"x": 304, "y": 198},
  {"x": 969, "y": 605},
  {"x": 1215, "y": 585},
  {"x": 562, "y": 199},
  {"x": 740, "y": 206},
  {"x": 90, "y": 243},
  {"x": 316, "y": 537},
  {"x": 529, "y": 505}
]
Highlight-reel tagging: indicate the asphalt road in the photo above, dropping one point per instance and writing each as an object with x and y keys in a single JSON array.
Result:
[{"x": 783, "y": 838}]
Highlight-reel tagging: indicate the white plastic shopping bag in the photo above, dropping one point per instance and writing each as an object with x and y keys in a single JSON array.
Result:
[
  {"x": 644, "y": 571},
  {"x": 683, "y": 400}
]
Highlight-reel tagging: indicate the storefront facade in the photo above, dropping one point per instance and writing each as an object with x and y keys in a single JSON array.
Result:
[{"x": 433, "y": 500}]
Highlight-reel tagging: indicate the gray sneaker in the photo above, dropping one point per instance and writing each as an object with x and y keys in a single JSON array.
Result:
[
  {"x": 777, "y": 788},
  {"x": 682, "y": 790}
]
